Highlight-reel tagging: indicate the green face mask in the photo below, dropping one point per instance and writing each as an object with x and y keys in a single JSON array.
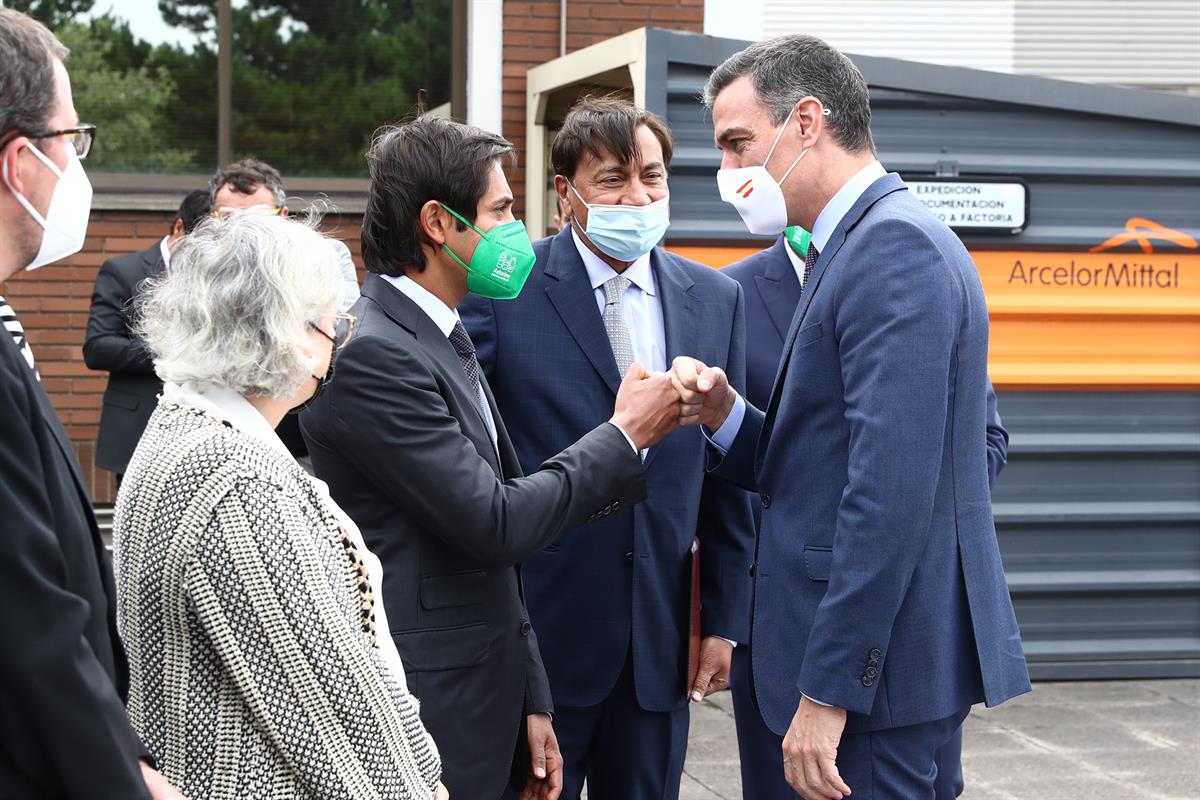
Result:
[
  {"x": 502, "y": 262},
  {"x": 798, "y": 238}
]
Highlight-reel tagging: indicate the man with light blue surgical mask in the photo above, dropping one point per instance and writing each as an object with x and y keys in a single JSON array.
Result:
[{"x": 610, "y": 601}]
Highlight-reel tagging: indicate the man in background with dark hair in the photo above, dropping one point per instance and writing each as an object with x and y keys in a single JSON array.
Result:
[
  {"x": 611, "y": 602},
  {"x": 411, "y": 443},
  {"x": 63, "y": 728},
  {"x": 111, "y": 346}
]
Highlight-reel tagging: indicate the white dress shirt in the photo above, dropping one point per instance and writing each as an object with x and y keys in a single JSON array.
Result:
[
  {"x": 444, "y": 317},
  {"x": 165, "y": 250},
  {"x": 231, "y": 407},
  {"x": 640, "y": 307}
]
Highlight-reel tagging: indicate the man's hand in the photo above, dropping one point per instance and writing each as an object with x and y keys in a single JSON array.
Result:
[
  {"x": 158, "y": 786},
  {"x": 810, "y": 751},
  {"x": 545, "y": 761},
  {"x": 647, "y": 406},
  {"x": 705, "y": 396},
  {"x": 715, "y": 656},
  {"x": 442, "y": 792}
]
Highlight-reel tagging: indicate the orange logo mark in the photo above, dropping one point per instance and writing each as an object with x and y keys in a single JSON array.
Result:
[
  {"x": 746, "y": 189},
  {"x": 1141, "y": 230}
]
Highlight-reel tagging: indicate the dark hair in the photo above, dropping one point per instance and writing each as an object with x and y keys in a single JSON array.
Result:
[
  {"x": 27, "y": 90},
  {"x": 194, "y": 208},
  {"x": 428, "y": 158},
  {"x": 787, "y": 68},
  {"x": 246, "y": 176},
  {"x": 610, "y": 123}
]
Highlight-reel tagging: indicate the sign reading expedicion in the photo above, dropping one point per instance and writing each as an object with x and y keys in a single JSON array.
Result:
[{"x": 974, "y": 205}]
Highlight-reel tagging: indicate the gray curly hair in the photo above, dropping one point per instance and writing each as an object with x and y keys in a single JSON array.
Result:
[{"x": 233, "y": 307}]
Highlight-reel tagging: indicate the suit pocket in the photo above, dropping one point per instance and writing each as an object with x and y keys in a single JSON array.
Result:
[
  {"x": 808, "y": 335},
  {"x": 453, "y": 589},
  {"x": 115, "y": 397},
  {"x": 437, "y": 649},
  {"x": 817, "y": 562}
]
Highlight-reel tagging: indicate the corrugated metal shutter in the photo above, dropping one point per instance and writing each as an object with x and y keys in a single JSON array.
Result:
[
  {"x": 972, "y": 34},
  {"x": 1149, "y": 43},
  {"x": 1098, "y": 514}
]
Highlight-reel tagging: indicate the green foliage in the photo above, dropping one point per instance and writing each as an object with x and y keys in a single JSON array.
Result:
[
  {"x": 312, "y": 80},
  {"x": 129, "y": 104}
]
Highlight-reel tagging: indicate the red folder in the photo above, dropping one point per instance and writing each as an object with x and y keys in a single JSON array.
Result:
[{"x": 693, "y": 662}]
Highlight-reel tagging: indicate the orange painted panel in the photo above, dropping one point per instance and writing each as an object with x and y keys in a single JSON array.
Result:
[{"x": 1079, "y": 321}]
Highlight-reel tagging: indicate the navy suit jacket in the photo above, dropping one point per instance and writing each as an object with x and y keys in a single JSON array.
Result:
[
  {"x": 625, "y": 578},
  {"x": 878, "y": 581},
  {"x": 772, "y": 292}
]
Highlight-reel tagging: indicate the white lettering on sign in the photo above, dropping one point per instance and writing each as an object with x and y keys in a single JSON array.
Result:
[{"x": 961, "y": 204}]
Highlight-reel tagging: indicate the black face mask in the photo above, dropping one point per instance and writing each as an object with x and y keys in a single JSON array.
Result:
[{"x": 322, "y": 382}]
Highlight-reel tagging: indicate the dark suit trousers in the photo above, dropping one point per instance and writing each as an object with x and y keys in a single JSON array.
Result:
[
  {"x": 900, "y": 763},
  {"x": 623, "y": 751}
]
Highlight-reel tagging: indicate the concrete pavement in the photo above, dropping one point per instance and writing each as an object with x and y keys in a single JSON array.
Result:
[{"x": 1135, "y": 740}]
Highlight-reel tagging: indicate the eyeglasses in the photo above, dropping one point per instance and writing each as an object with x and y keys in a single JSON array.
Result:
[
  {"x": 81, "y": 138},
  {"x": 343, "y": 329},
  {"x": 225, "y": 211}
]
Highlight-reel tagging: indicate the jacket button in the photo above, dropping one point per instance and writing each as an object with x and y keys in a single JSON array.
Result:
[
  {"x": 526, "y": 628},
  {"x": 765, "y": 499},
  {"x": 753, "y": 569},
  {"x": 867, "y": 681},
  {"x": 629, "y": 558},
  {"x": 876, "y": 653},
  {"x": 872, "y": 672},
  {"x": 873, "y": 662}
]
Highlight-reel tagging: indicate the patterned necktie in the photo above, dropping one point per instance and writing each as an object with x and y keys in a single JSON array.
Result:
[
  {"x": 810, "y": 260},
  {"x": 465, "y": 348},
  {"x": 614, "y": 322},
  {"x": 9, "y": 318}
]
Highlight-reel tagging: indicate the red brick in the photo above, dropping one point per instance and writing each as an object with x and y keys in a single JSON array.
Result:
[
  {"x": 109, "y": 228},
  {"x": 55, "y": 336},
  {"x": 65, "y": 304},
  {"x": 70, "y": 369},
  {"x": 673, "y": 14},
  {"x": 83, "y": 433},
  {"x": 119, "y": 246},
  {"x": 515, "y": 23},
  {"x": 623, "y": 13}
]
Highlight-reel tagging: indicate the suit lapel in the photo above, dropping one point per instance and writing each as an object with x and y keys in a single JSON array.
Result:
[
  {"x": 779, "y": 287},
  {"x": 406, "y": 313},
  {"x": 682, "y": 315},
  {"x": 572, "y": 296},
  {"x": 875, "y": 192}
]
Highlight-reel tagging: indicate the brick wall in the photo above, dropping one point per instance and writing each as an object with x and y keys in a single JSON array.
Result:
[
  {"x": 53, "y": 304},
  {"x": 531, "y": 37}
]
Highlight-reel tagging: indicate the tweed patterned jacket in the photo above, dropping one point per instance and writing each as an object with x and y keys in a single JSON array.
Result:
[{"x": 252, "y": 672}]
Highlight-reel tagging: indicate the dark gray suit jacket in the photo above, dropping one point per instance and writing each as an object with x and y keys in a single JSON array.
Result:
[
  {"x": 401, "y": 441},
  {"x": 133, "y": 388}
]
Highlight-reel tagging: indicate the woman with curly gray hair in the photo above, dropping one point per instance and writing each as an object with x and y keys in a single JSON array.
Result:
[{"x": 247, "y": 601}]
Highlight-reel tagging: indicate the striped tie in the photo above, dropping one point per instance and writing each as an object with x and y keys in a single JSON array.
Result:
[{"x": 9, "y": 318}]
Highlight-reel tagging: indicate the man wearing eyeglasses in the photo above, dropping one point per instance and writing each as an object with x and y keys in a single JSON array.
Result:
[
  {"x": 63, "y": 728},
  {"x": 111, "y": 346},
  {"x": 251, "y": 183}
]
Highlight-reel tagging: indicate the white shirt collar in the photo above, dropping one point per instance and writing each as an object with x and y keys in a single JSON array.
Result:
[
  {"x": 442, "y": 315},
  {"x": 842, "y": 202},
  {"x": 166, "y": 251},
  {"x": 227, "y": 405},
  {"x": 599, "y": 273}
]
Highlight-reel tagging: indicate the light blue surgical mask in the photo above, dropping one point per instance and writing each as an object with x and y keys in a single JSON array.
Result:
[{"x": 623, "y": 232}]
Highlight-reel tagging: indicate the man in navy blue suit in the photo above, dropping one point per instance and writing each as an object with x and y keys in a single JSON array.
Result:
[
  {"x": 770, "y": 281},
  {"x": 881, "y": 612},
  {"x": 611, "y": 604}
]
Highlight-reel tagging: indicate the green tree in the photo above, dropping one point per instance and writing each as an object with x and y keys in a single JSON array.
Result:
[
  {"x": 51, "y": 13},
  {"x": 129, "y": 104}
]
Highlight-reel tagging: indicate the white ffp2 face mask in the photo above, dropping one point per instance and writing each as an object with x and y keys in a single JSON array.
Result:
[
  {"x": 65, "y": 225},
  {"x": 757, "y": 196}
]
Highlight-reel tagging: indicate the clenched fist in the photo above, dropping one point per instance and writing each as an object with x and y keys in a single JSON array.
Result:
[
  {"x": 705, "y": 396},
  {"x": 647, "y": 406}
]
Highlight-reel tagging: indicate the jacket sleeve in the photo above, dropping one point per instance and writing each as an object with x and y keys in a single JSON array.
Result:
[
  {"x": 109, "y": 344},
  {"x": 313, "y": 683},
  {"x": 725, "y": 526},
  {"x": 74, "y": 734},
  {"x": 897, "y": 336},
  {"x": 387, "y": 406},
  {"x": 997, "y": 439}
]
